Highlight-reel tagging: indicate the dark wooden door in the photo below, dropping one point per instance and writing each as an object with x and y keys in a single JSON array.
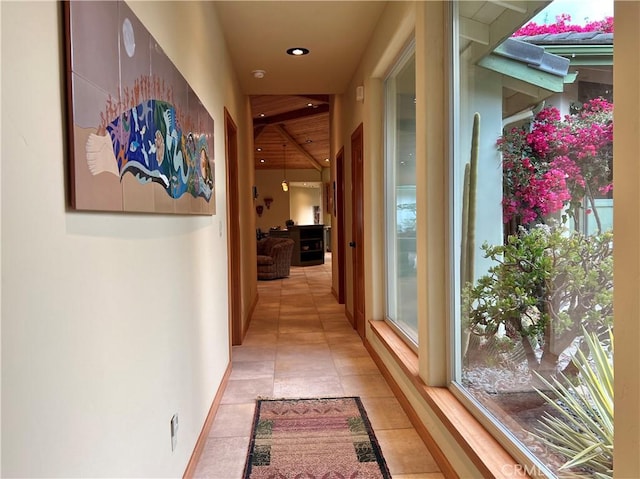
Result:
[
  {"x": 233, "y": 238},
  {"x": 339, "y": 210},
  {"x": 357, "y": 228}
]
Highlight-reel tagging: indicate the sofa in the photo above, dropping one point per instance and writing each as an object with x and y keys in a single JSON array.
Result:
[{"x": 274, "y": 257}]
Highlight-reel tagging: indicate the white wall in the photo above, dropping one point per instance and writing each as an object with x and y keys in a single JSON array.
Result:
[
  {"x": 269, "y": 183},
  {"x": 111, "y": 323},
  {"x": 303, "y": 199}
]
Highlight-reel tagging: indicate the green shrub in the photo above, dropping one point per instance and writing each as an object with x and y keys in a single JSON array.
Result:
[{"x": 546, "y": 284}]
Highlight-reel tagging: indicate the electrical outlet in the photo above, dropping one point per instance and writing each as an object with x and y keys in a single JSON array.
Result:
[{"x": 174, "y": 432}]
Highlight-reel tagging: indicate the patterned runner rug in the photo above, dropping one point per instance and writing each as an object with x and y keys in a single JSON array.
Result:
[{"x": 326, "y": 438}]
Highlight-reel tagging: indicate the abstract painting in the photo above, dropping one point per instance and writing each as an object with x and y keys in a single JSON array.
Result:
[{"x": 140, "y": 138}]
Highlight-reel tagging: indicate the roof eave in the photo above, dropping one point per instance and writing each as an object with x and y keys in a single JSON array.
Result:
[
  {"x": 523, "y": 72},
  {"x": 581, "y": 55}
]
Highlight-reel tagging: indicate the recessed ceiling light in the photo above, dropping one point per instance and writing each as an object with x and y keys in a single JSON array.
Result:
[
  {"x": 327, "y": 160},
  {"x": 309, "y": 104},
  {"x": 261, "y": 160},
  {"x": 261, "y": 115},
  {"x": 258, "y": 149},
  {"x": 297, "y": 51},
  {"x": 309, "y": 141}
]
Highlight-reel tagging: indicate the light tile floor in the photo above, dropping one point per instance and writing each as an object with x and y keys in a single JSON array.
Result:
[{"x": 300, "y": 344}]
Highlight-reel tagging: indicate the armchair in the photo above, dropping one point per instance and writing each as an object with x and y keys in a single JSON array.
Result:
[{"x": 274, "y": 257}]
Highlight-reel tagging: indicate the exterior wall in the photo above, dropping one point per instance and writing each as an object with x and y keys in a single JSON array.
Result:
[
  {"x": 486, "y": 100},
  {"x": 111, "y": 323}
]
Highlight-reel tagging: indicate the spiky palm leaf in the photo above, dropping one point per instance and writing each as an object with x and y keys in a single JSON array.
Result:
[{"x": 582, "y": 428}]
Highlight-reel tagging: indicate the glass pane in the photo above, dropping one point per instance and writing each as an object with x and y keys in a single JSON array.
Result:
[
  {"x": 400, "y": 196},
  {"x": 532, "y": 223}
]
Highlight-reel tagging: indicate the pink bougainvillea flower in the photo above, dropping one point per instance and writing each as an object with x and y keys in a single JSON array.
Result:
[
  {"x": 563, "y": 25},
  {"x": 556, "y": 161}
]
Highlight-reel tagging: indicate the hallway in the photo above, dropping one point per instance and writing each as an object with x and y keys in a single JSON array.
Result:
[{"x": 300, "y": 344}]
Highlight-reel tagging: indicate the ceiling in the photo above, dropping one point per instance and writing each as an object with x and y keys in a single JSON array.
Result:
[
  {"x": 291, "y": 131},
  {"x": 258, "y": 33},
  {"x": 290, "y": 100}
]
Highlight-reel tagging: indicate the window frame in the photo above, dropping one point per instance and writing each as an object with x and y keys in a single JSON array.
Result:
[
  {"x": 407, "y": 54},
  {"x": 530, "y": 463}
]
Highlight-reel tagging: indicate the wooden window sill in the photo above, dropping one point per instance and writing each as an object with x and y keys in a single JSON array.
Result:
[{"x": 491, "y": 459}]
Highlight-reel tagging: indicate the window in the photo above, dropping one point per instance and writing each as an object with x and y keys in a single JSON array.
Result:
[
  {"x": 531, "y": 223},
  {"x": 400, "y": 195}
]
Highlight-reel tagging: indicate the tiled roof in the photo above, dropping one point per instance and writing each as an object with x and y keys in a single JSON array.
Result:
[
  {"x": 528, "y": 63},
  {"x": 533, "y": 56},
  {"x": 569, "y": 38}
]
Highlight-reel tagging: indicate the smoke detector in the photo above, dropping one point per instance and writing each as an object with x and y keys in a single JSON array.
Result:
[{"x": 258, "y": 74}]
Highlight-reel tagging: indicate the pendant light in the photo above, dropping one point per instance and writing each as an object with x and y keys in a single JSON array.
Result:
[{"x": 285, "y": 183}]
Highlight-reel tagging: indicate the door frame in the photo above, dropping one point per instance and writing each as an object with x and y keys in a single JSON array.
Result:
[{"x": 234, "y": 270}]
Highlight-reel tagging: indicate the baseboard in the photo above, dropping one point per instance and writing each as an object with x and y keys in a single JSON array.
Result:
[
  {"x": 334, "y": 293},
  {"x": 349, "y": 316},
  {"x": 442, "y": 461},
  {"x": 204, "y": 433}
]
